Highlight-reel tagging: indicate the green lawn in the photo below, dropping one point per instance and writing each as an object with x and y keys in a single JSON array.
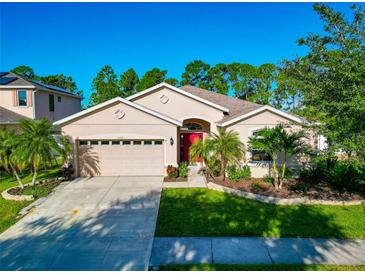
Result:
[
  {"x": 203, "y": 212},
  {"x": 10, "y": 209},
  {"x": 217, "y": 267}
]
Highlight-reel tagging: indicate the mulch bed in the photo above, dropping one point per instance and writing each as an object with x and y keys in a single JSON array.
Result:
[
  {"x": 177, "y": 179},
  {"x": 292, "y": 188},
  {"x": 19, "y": 191}
]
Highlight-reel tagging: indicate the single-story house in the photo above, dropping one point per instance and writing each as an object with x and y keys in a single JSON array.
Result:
[{"x": 146, "y": 132}]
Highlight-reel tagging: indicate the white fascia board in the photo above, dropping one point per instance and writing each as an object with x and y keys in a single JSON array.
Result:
[
  {"x": 178, "y": 90},
  {"x": 10, "y": 87},
  {"x": 111, "y": 101},
  {"x": 256, "y": 111}
]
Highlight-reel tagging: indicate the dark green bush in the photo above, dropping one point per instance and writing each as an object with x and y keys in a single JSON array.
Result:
[
  {"x": 246, "y": 173},
  {"x": 340, "y": 174},
  {"x": 183, "y": 169},
  {"x": 234, "y": 174},
  {"x": 215, "y": 166},
  {"x": 268, "y": 179}
]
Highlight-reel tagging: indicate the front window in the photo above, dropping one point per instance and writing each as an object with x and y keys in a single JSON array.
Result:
[
  {"x": 22, "y": 98},
  {"x": 259, "y": 155},
  {"x": 51, "y": 102}
]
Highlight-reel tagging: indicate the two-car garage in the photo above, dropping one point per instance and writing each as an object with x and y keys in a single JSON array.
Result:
[
  {"x": 117, "y": 157},
  {"x": 121, "y": 138}
]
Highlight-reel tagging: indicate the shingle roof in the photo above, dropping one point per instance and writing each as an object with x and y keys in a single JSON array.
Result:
[
  {"x": 23, "y": 81},
  {"x": 10, "y": 117},
  {"x": 236, "y": 106}
]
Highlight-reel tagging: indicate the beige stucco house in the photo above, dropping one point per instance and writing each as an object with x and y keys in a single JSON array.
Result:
[
  {"x": 22, "y": 98},
  {"x": 146, "y": 132}
]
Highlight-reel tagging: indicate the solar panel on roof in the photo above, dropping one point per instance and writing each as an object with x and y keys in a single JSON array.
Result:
[
  {"x": 7, "y": 80},
  {"x": 51, "y": 87},
  {"x": 3, "y": 73}
]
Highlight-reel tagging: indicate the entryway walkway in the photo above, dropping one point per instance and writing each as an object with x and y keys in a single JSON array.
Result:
[
  {"x": 195, "y": 179},
  {"x": 256, "y": 250}
]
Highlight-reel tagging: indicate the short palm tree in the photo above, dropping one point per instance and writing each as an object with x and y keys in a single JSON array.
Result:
[
  {"x": 227, "y": 147},
  {"x": 274, "y": 141},
  {"x": 66, "y": 150},
  {"x": 203, "y": 150},
  {"x": 291, "y": 144},
  {"x": 9, "y": 160},
  {"x": 37, "y": 145},
  {"x": 267, "y": 140}
]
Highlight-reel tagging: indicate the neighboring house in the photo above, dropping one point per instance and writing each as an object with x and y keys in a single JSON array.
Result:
[
  {"x": 146, "y": 132},
  {"x": 21, "y": 98}
]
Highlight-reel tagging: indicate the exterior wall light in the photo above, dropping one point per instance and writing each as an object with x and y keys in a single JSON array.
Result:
[{"x": 171, "y": 141}]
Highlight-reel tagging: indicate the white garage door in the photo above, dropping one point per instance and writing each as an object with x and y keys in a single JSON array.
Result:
[{"x": 121, "y": 158}]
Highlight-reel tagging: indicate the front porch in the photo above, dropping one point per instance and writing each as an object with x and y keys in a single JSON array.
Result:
[{"x": 191, "y": 130}]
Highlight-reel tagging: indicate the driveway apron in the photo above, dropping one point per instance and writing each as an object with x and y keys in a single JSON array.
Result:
[{"x": 100, "y": 223}]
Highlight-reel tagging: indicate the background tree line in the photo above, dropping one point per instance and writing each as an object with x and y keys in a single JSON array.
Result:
[
  {"x": 58, "y": 80},
  {"x": 327, "y": 85}
]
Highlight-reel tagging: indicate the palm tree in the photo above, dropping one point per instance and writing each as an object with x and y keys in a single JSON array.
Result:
[
  {"x": 203, "y": 150},
  {"x": 274, "y": 141},
  {"x": 291, "y": 144},
  {"x": 227, "y": 147},
  {"x": 37, "y": 145},
  {"x": 66, "y": 150},
  {"x": 267, "y": 140},
  {"x": 9, "y": 160}
]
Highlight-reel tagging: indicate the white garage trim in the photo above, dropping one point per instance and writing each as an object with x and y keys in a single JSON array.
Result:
[{"x": 115, "y": 158}]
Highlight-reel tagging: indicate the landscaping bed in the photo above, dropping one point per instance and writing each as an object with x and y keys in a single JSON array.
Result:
[
  {"x": 177, "y": 179},
  {"x": 39, "y": 190},
  {"x": 9, "y": 210},
  {"x": 292, "y": 188}
]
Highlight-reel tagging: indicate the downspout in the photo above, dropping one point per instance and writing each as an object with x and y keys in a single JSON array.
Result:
[{"x": 33, "y": 100}]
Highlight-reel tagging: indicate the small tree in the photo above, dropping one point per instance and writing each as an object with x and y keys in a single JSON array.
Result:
[
  {"x": 266, "y": 140},
  {"x": 9, "y": 160},
  {"x": 291, "y": 144},
  {"x": 228, "y": 148},
  {"x": 37, "y": 145},
  {"x": 274, "y": 141},
  {"x": 203, "y": 150},
  {"x": 66, "y": 150}
]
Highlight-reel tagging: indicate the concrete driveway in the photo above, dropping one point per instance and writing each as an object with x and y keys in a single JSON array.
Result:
[{"x": 100, "y": 223}]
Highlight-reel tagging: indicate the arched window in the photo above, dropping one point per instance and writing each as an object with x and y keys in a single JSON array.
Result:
[{"x": 192, "y": 126}]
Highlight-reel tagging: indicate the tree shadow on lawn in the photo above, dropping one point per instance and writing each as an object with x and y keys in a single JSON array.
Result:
[
  {"x": 210, "y": 213},
  {"x": 115, "y": 237}
]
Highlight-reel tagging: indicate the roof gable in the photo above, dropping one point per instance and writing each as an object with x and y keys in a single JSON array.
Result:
[
  {"x": 180, "y": 91},
  {"x": 81, "y": 114},
  {"x": 241, "y": 117}
]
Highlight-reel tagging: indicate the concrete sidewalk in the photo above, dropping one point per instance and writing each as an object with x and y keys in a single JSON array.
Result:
[{"x": 257, "y": 250}]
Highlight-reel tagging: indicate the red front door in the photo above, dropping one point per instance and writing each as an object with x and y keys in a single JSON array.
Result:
[{"x": 187, "y": 140}]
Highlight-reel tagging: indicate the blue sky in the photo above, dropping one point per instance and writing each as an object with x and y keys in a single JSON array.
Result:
[{"x": 78, "y": 39}]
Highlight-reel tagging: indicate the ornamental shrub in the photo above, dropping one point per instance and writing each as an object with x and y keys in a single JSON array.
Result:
[{"x": 183, "y": 169}]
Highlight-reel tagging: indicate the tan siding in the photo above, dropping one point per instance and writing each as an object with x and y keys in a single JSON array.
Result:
[
  {"x": 67, "y": 106},
  {"x": 9, "y": 100},
  {"x": 180, "y": 107},
  {"x": 134, "y": 122},
  {"x": 246, "y": 127}
]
